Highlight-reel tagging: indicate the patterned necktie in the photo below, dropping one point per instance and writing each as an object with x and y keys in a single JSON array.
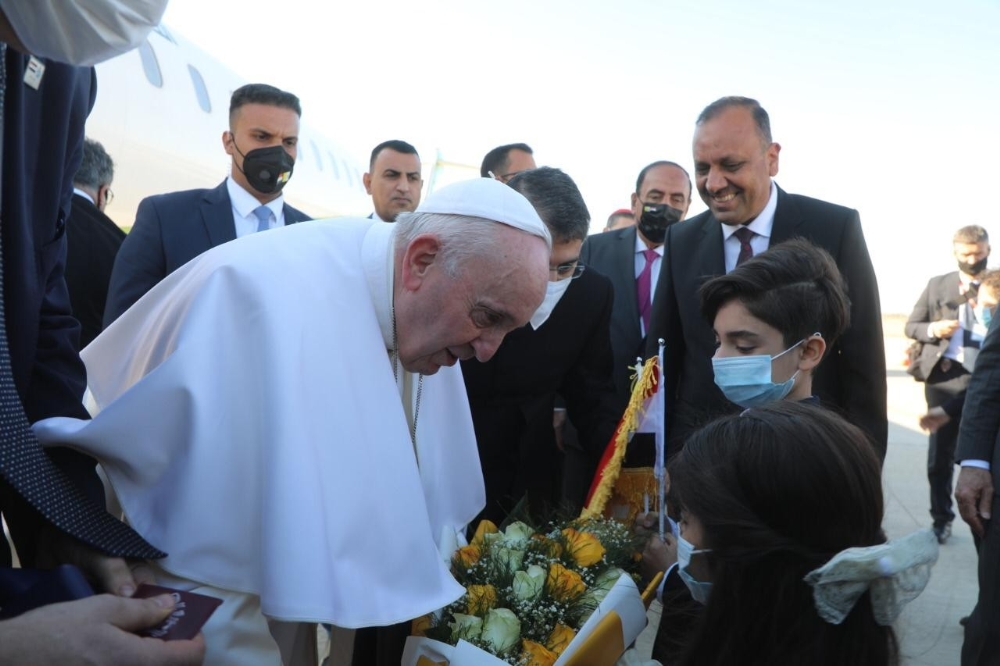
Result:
[
  {"x": 263, "y": 214},
  {"x": 24, "y": 465},
  {"x": 643, "y": 286},
  {"x": 743, "y": 235}
]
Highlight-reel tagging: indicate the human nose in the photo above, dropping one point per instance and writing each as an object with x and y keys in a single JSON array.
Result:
[
  {"x": 486, "y": 345},
  {"x": 715, "y": 181}
]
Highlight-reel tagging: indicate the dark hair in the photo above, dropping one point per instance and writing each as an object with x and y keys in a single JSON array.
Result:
[
  {"x": 794, "y": 287},
  {"x": 971, "y": 234},
  {"x": 557, "y": 200},
  {"x": 392, "y": 144},
  {"x": 760, "y": 117},
  {"x": 991, "y": 280},
  {"x": 778, "y": 491},
  {"x": 96, "y": 167},
  {"x": 645, "y": 170},
  {"x": 496, "y": 160},
  {"x": 261, "y": 93}
]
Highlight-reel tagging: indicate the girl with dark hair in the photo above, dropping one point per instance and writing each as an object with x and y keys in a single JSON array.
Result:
[{"x": 781, "y": 539}]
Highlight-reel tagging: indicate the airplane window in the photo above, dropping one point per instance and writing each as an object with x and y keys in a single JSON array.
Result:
[
  {"x": 319, "y": 158},
  {"x": 333, "y": 163},
  {"x": 149, "y": 64},
  {"x": 200, "y": 91}
]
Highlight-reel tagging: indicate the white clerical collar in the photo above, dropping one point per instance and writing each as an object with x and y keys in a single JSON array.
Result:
[
  {"x": 245, "y": 203},
  {"x": 77, "y": 190},
  {"x": 763, "y": 223},
  {"x": 377, "y": 253}
]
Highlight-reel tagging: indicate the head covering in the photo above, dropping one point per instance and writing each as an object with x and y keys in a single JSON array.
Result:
[{"x": 489, "y": 199}]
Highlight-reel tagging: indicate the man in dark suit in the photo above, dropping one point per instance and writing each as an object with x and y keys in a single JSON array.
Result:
[
  {"x": 565, "y": 349},
  {"x": 625, "y": 255},
  {"x": 171, "y": 229},
  {"x": 44, "y": 106},
  {"x": 92, "y": 240},
  {"x": 944, "y": 320},
  {"x": 979, "y": 452},
  {"x": 735, "y": 160},
  {"x": 393, "y": 179}
]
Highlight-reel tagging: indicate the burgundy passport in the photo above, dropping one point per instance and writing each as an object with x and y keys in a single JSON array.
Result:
[{"x": 191, "y": 612}]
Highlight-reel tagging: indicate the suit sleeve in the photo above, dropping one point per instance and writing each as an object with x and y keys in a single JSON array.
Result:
[
  {"x": 981, "y": 413},
  {"x": 860, "y": 358},
  {"x": 140, "y": 263},
  {"x": 665, "y": 323},
  {"x": 920, "y": 318},
  {"x": 588, "y": 389}
]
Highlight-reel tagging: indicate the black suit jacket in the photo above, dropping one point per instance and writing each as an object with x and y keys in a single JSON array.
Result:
[
  {"x": 513, "y": 394},
  {"x": 851, "y": 379},
  {"x": 940, "y": 300},
  {"x": 171, "y": 230},
  {"x": 979, "y": 433},
  {"x": 92, "y": 241},
  {"x": 42, "y": 146},
  {"x": 613, "y": 254}
]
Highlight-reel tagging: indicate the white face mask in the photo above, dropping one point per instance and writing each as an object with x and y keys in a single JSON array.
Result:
[
  {"x": 82, "y": 32},
  {"x": 553, "y": 292}
]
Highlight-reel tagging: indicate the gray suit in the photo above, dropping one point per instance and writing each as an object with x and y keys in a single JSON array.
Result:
[
  {"x": 612, "y": 253},
  {"x": 978, "y": 440}
]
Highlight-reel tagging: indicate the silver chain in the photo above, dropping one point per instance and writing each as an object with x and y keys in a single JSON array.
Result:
[{"x": 395, "y": 376}]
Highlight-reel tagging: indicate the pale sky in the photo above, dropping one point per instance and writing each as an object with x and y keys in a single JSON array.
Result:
[{"x": 874, "y": 102}]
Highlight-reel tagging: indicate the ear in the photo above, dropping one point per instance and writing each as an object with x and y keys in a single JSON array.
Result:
[
  {"x": 772, "y": 158},
  {"x": 227, "y": 143},
  {"x": 812, "y": 353},
  {"x": 102, "y": 197},
  {"x": 367, "y": 180},
  {"x": 636, "y": 206},
  {"x": 418, "y": 260}
]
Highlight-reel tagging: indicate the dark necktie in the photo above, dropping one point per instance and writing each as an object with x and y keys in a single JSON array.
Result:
[
  {"x": 644, "y": 288},
  {"x": 23, "y": 463},
  {"x": 743, "y": 235}
]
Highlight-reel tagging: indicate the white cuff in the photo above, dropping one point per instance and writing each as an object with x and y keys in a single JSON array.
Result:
[{"x": 981, "y": 464}]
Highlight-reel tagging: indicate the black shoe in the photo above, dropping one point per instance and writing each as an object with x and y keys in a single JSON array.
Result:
[{"x": 942, "y": 532}]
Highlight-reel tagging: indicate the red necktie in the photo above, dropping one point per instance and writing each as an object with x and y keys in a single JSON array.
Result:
[
  {"x": 643, "y": 287},
  {"x": 743, "y": 235}
]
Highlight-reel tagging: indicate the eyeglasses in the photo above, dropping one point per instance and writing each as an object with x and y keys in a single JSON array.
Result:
[{"x": 570, "y": 270}]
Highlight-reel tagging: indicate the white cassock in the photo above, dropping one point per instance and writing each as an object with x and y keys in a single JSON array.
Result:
[{"x": 251, "y": 427}]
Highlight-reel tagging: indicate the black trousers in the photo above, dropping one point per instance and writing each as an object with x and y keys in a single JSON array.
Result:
[
  {"x": 941, "y": 386},
  {"x": 982, "y": 631}
]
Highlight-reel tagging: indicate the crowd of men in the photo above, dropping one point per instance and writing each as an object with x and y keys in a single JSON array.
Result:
[{"x": 496, "y": 276}]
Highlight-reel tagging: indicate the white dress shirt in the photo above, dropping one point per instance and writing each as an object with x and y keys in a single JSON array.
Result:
[
  {"x": 244, "y": 205},
  {"x": 761, "y": 226}
]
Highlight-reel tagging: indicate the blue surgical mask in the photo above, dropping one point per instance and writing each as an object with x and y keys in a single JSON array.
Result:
[
  {"x": 984, "y": 315},
  {"x": 699, "y": 589},
  {"x": 746, "y": 380}
]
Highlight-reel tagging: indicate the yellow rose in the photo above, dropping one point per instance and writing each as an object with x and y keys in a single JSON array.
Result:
[
  {"x": 536, "y": 654},
  {"x": 584, "y": 547},
  {"x": 564, "y": 584},
  {"x": 560, "y": 637},
  {"x": 481, "y": 598},
  {"x": 551, "y": 548},
  {"x": 485, "y": 527},
  {"x": 419, "y": 626},
  {"x": 467, "y": 555}
]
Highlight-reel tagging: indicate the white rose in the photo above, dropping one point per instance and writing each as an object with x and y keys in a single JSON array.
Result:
[
  {"x": 608, "y": 578},
  {"x": 528, "y": 585},
  {"x": 466, "y": 627},
  {"x": 511, "y": 557},
  {"x": 516, "y": 535},
  {"x": 502, "y": 630}
]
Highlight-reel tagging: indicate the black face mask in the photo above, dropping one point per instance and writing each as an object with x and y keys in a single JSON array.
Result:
[
  {"x": 267, "y": 169},
  {"x": 655, "y": 219},
  {"x": 973, "y": 269}
]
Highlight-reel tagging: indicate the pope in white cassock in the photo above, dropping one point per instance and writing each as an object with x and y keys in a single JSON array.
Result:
[{"x": 285, "y": 417}]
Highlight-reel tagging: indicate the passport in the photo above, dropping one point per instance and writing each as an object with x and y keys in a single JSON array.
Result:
[{"x": 191, "y": 612}]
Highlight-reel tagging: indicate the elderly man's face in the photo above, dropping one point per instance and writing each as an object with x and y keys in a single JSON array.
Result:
[
  {"x": 733, "y": 166},
  {"x": 443, "y": 319}
]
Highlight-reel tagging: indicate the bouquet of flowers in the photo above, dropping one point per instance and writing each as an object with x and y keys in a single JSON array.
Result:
[{"x": 534, "y": 598}]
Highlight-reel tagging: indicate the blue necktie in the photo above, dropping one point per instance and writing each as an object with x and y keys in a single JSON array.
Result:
[
  {"x": 26, "y": 467},
  {"x": 263, "y": 214}
]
